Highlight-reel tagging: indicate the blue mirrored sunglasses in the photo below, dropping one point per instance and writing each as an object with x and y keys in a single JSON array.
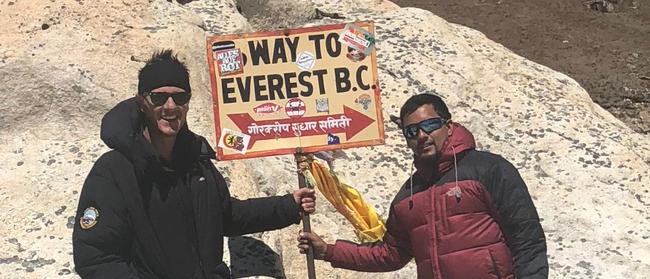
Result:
[{"x": 428, "y": 126}]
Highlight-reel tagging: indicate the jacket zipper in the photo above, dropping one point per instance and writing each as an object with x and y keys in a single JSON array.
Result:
[
  {"x": 434, "y": 256},
  {"x": 443, "y": 213},
  {"x": 494, "y": 265}
]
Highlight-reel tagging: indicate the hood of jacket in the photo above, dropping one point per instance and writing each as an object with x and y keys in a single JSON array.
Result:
[
  {"x": 122, "y": 129},
  {"x": 459, "y": 140}
]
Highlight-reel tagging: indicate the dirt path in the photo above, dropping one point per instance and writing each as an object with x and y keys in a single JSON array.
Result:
[{"x": 608, "y": 53}]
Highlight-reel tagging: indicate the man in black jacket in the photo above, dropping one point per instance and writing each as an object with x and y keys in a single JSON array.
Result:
[{"x": 155, "y": 206}]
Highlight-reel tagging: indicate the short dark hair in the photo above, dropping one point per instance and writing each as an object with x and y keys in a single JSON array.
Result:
[
  {"x": 416, "y": 101},
  {"x": 163, "y": 69}
]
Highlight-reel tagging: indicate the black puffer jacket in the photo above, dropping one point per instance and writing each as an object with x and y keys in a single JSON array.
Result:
[{"x": 123, "y": 186}]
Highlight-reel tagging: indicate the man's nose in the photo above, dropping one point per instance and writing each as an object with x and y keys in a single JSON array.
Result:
[
  {"x": 422, "y": 135},
  {"x": 169, "y": 103}
]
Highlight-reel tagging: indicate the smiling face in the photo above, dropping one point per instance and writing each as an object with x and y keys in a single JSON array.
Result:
[
  {"x": 426, "y": 147},
  {"x": 166, "y": 119}
]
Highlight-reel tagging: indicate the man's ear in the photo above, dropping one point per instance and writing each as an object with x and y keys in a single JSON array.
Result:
[
  {"x": 396, "y": 120},
  {"x": 450, "y": 127}
]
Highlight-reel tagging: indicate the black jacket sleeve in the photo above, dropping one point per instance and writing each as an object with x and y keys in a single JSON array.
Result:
[
  {"x": 100, "y": 251},
  {"x": 519, "y": 221},
  {"x": 262, "y": 214},
  {"x": 257, "y": 214}
]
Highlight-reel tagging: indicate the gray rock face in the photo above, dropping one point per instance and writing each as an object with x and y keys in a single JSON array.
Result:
[{"x": 63, "y": 64}]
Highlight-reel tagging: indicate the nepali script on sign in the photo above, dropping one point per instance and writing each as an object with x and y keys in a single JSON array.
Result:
[
  {"x": 315, "y": 88},
  {"x": 321, "y": 125}
]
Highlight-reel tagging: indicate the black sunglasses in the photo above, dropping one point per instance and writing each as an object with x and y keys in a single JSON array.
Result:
[
  {"x": 160, "y": 99},
  {"x": 428, "y": 126}
]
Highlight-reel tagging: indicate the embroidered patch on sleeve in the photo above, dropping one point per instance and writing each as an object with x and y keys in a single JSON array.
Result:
[{"x": 89, "y": 218}]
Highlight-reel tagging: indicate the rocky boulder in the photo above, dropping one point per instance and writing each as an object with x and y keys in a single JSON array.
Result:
[{"x": 64, "y": 63}]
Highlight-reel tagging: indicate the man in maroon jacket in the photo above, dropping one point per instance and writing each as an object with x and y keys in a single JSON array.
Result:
[{"x": 464, "y": 214}]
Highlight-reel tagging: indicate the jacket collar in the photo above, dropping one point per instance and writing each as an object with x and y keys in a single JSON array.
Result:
[
  {"x": 459, "y": 141},
  {"x": 122, "y": 129}
]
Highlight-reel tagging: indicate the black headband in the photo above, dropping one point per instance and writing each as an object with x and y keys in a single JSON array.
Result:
[{"x": 163, "y": 73}]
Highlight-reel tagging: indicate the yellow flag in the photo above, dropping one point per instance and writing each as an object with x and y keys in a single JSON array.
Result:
[{"x": 368, "y": 226}]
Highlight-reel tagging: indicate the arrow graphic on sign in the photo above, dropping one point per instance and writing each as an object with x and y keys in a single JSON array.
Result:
[{"x": 350, "y": 121}]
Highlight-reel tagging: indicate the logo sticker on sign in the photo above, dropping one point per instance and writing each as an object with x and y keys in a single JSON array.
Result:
[
  {"x": 230, "y": 62},
  {"x": 357, "y": 38},
  {"x": 295, "y": 108},
  {"x": 355, "y": 55},
  {"x": 332, "y": 139},
  {"x": 267, "y": 108},
  {"x": 234, "y": 140},
  {"x": 364, "y": 101},
  {"x": 306, "y": 60},
  {"x": 322, "y": 105}
]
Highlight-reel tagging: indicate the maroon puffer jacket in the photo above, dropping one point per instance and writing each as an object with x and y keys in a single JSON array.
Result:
[{"x": 482, "y": 224}]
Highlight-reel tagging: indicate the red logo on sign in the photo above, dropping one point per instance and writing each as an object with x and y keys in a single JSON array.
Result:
[
  {"x": 229, "y": 62},
  {"x": 267, "y": 108},
  {"x": 234, "y": 142},
  {"x": 295, "y": 108}
]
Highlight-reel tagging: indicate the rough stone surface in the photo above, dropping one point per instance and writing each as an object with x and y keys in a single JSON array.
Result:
[{"x": 64, "y": 63}]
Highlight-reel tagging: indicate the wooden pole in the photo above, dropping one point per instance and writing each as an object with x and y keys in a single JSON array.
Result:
[{"x": 306, "y": 224}]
